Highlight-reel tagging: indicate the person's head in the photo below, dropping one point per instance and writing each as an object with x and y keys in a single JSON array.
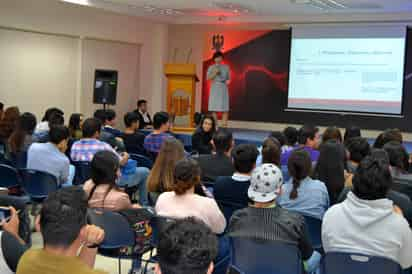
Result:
[
  {"x": 161, "y": 121},
  {"x": 25, "y": 126},
  {"x": 218, "y": 57},
  {"x": 101, "y": 115},
  {"x": 351, "y": 132},
  {"x": 110, "y": 118},
  {"x": 244, "y": 158},
  {"x": 309, "y": 136},
  {"x": 358, "y": 148},
  {"x": 299, "y": 167},
  {"x": 131, "y": 120},
  {"x": 265, "y": 184},
  {"x": 372, "y": 179},
  {"x": 387, "y": 136},
  {"x": 91, "y": 128},
  {"x": 208, "y": 124},
  {"x": 1, "y": 110},
  {"x": 291, "y": 135},
  {"x": 186, "y": 246},
  {"x": 380, "y": 155},
  {"x": 279, "y": 136},
  {"x": 142, "y": 105},
  {"x": 9, "y": 121},
  {"x": 161, "y": 177},
  {"x": 59, "y": 136},
  {"x": 223, "y": 141},
  {"x": 56, "y": 119},
  {"x": 186, "y": 176},
  {"x": 50, "y": 112},
  {"x": 398, "y": 156},
  {"x": 332, "y": 133},
  {"x": 104, "y": 169},
  {"x": 271, "y": 151},
  {"x": 63, "y": 218},
  {"x": 75, "y": 123}
]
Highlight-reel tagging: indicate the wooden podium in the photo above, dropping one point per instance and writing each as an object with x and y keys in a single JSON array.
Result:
[{"x": 181, "y": 95}]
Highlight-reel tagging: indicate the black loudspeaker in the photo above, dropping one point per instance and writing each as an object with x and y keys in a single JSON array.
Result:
[{"x": 105, "y": 87}]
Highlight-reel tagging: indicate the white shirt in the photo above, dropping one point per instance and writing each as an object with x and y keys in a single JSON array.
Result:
[{"x": 145, "y": 117}]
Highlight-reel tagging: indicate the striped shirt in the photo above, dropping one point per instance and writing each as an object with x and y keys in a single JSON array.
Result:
[
  {"x": 85, "y": 149},
  {"x": 153, "y": 142}
]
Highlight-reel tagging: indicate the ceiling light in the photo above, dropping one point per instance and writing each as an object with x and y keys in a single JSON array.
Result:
[
  {"x": 232, "y": 7},
  {"x": 78, "y": 2},
  {"x": 321, "y": 4},
  {"x": 160, "y": 11}
]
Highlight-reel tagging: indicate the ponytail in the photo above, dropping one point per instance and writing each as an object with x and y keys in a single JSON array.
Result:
[
  {"x": 294, "y": 192},
  {"x": 299, "y": 165}
]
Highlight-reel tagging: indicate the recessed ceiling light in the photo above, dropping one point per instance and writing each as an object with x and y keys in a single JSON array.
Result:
[{"x": 78, "y": 2}]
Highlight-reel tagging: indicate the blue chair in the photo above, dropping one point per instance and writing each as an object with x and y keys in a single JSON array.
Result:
[
  {"x": 82, "y": 173},
  {"x": 142, "y": 161},
  {"x": 344, "y": 263},
  {"x": 228, "y": 208},
  {"x": 38, "y": 184},
  {"x": 9, "y": 177},
  {"x": 251, "y": 256},
  {"x": 314, "y": 227},
  {"x": 19, "y": 159}
]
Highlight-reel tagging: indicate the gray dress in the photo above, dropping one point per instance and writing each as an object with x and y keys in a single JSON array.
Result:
[{"x": 219, "y": 94}]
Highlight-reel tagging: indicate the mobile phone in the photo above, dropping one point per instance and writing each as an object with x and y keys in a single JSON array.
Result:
[{"x": 5, "y": 214}]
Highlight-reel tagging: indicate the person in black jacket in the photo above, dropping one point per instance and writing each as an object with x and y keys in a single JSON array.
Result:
[
  {"x": 145, "y": 121},
  {"x": 132, "y": 138},
  {"x": 202, "y": 138}
]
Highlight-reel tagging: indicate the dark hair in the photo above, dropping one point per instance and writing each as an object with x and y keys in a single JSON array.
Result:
[
  {"x": 1, "y": 106},
  {"x": 244, "y": 157},
  {"x": 56, "y": 119},
  {"x": 159, "y": 119},
  {"x": 279, "y": 136},
  {"x": 332, "y": 133},
  {"x": 210, "y": 117},
  {"x": 58, "y": 133},
  {"x": 271, "y": 151},
  {"x": 358, "y": 148},
  {"x": 291, "y": 135},
  {"x": 380, "y": 155},
  {"x": 307, "y": 132},
  {"x": 387, "y": 136},
  {"x": 351, "y": 132},
  {"x": 101, "y": 115},
  {"x": 74, "y": 123},
  {"x": 110, "y": 114},
  {"x": 141, "y": 102},
  {"x": 50, "y": 112},
  {"x": 398, "y": 156},
  {"x": 130, "y": 118},
  {"x": 330, "y": 168},
  {"x": 25, "y": 126},
  {"x": 186, "y": 246},
  {"x": 222, "y": 140},
  {"x": 8, "y": 123},
  {"x": 90, "y": 127},
  {"x": 186, "y": 175},
  {"x": 372, "y": 179},
  {"x": 62, "y": 216},
  {"x": 299, "y": 167},
  {"x": 217, "y": 54}
]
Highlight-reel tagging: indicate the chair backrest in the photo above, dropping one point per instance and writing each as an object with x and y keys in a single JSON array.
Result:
[
  {"x": 9, "y": 176},
  {"x": 82, "y": 173},
  {"x": 402, "y": 186},
  {"x": 314, "y": 227},
  {"x": 142, "y": 161},
  {"x": 19, "y": 159},
  {"x": 344, "y": 263},
  {"x": 38, "y": 184},
  {"x": 158, "y": 223},
  {"x": 251, "y": 256},
  {"x": 118, "y": 232}
]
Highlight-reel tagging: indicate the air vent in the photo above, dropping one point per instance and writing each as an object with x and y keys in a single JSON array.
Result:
[
  {"x": 233, "y": 7},
  {"x": 337, "y": 5}
]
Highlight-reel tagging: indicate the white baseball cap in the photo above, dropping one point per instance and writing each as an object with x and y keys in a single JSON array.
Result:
[{"x": 265, "y": 181}]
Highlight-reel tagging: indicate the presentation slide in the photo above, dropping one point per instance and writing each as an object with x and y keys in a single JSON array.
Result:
[{"x": 347, "y": 69}]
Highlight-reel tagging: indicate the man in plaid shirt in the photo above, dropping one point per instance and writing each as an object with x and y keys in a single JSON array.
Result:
[{"x": 154, "y": 140}]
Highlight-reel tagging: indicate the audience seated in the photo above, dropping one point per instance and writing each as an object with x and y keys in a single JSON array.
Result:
[
  {"x": 75, "y": 126},
  {"x": 392, "y": 134},
  {"x": 105, "y": 135},
  {"x": 309, "y": 139},
  {"x": 332, "y": 133},
  {"x": 219, "y": 163},
  {"x": 110, "y": 123},
  {"x": 271, "y": 151},
  {"x": 399, "y": 161},
  {"x": 8, "y": 123},
  {"x": 69, "y": 243},
  {"x": 85, "y": 149},
  {"x": 330, "y": 168},
  {"x": 145, "y": 121},
  {"x": 44, "y": 124},
  {"x": 366, "y": 222},
  {"x": 233, "y": 189},
  {"x": 154, "y": 140},
  {"x": 264, "y": 219},
  {"x": 183, "y": 202},
  {"x": 351, "y": 132},
  {"x": 280, "y": 137},
  {"x": 56, "y": 119},
  {"x": 303, "y": 194},
  {"x": 1, "y": 110},
  {"x": 291, "y": 135},
  {"x": 49, "y": 157},
  {"x": 21, "y": 138},
  {"x": 132, "y": 138},
  {"x": 186, "y": 247},
  {"x": 358, "y": 148},
  {"x": 202, "y": 137}
]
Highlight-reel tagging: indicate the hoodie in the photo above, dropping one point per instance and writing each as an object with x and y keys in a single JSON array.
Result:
[{"x": 369, "y": 227}]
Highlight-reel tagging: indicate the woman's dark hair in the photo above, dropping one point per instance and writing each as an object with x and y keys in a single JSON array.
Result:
[
  {"x": 271, "y": 151},
  {"x": 103, "y": 171},
  {"x": 358, "y": 148},
  {"x": 387, "y": 136},
  {"x": 351, "y": 132},
  {"x": 56, "y": 119},
  {"x": 330, "y": 168},
  {"x": 25, "y": 126},
  {"x": 210, "y": 117},
  {"x": 300, "y": 167},
  {"x": 50, "y": 112},
  {"x": 217, "y": 54},
  {"x": 332, "y": 133},
  {"x": 74, "y": 123},
  {"x": 223, "y": 140},
  {"x": 186, "y": 176},
  {"x": 372, "y": 179},
  {"x": 8, "y": 123},
  {"x": 398, "y": 156},
  {"x": 279, "y": 136},
  {"x": 291, "y": 134}
]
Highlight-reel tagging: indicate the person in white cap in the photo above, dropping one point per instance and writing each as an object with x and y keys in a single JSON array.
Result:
[{"x": 264, "y": 219}]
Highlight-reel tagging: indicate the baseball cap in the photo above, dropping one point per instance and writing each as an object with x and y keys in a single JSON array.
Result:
[{"x": 265, "y": 180}]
